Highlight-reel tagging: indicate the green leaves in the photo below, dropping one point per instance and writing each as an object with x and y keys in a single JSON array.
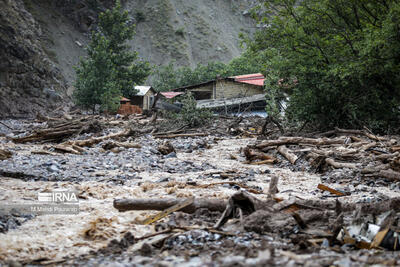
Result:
[
  {"x": 344, "y": 54},
  {"x": 111, "y": 69},
  {"x": 190, "y": 114}
]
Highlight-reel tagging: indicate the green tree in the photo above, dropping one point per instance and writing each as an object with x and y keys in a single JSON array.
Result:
[
  {"x": 166, "y": 78},
  {"x": 111, "y": 69},
  {"x": 339, "y": 60}
]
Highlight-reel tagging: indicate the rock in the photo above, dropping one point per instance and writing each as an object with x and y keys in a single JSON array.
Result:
[
  {"x": 262, "y": 221},
  {"x": 53, "y": 168},
  {"x": 146, "y": 249},
  {"x": 166, "y": 148},
  {"x": 171, "y": 155}
]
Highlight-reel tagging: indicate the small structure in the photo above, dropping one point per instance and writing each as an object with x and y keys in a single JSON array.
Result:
[
  {"x": 126, "y": 108},
  {"x": 227, "y": 88},
  {"x": 144, "y": 98}
]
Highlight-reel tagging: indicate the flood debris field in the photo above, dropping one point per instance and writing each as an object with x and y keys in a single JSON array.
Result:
[{"x": 221, "y": 195}]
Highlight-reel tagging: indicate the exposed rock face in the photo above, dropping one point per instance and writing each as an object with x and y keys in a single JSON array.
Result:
[
  {"x": 41, "y": 41},
  {"x": 29, "y": 81}
]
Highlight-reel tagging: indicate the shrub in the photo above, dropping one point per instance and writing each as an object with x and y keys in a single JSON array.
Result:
[
  {"x": 192, "y": 115},
  {"x": 140, "y": 16},
  {"x": 180, "y": 31}
]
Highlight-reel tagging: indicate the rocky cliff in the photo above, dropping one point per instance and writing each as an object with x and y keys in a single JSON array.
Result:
[
  {"x": 29, "y": 81},
  {"x": 41, "y": 41}
]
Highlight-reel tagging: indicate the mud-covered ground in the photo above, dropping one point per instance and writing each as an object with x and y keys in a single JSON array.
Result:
[{"x": 100, "y": 235}]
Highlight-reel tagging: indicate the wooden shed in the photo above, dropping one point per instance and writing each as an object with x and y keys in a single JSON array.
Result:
[{"x": 144, "y": 98}]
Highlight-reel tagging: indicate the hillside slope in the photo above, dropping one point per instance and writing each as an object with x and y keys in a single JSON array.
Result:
[
  {"x": 29, "y": 81},
  {"x": 50, "y": 36},
  {"x": 189, "y": 31}
]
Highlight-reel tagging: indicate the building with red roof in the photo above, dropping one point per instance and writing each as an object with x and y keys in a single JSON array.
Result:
[{"x": 227, "y": 88}]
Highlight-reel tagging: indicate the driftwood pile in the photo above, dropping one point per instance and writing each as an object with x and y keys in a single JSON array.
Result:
[
  {"x": 359, "y": 150},
  {"x": 60, "y": 130},
  {"x": 318, "y": 221}
]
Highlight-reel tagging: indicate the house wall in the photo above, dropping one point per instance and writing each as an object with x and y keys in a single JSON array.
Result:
[
  {"x": 147, "y": 100},
  {"x": 203, "y": 92},
  {"x": 137, "y": 100},
  {"x": 229, "y": 89}
]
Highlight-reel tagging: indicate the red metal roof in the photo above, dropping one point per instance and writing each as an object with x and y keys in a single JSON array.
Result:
[
  {"x": 171, "y": 94},
  {"x": 255, "y": 78}
]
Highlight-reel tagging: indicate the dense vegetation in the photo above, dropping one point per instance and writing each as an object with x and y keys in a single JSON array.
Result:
[
  {"x": 169, "y": 77},
  {"x": 339, "y": 60},
  {"x": 110, "y": 69}
]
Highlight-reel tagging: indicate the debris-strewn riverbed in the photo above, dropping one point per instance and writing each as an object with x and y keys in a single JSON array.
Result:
[{"x": 205, "y": 164}]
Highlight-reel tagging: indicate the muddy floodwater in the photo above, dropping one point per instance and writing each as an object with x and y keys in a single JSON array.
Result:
[{"x": 101, "y": 235}]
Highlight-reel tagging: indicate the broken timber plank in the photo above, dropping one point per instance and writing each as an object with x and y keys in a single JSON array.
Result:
[
  {"x": 360, "y": 132},
  {"x": 96, "y": 140},
  {"x": 165, "y": 213},
  {"x": 389, "y": 174},
  {"x": 291, "y": 157},
  {"x": 181, "y": 135},
  {"x": 251, "y": 190},
  {"x": 267, "y": 161},
  {"x": 162, "y": 204},
  {"x": 285, "y": 140},
  {"x": 339, "y": 165},
  {"x": 331, "y": 190}
]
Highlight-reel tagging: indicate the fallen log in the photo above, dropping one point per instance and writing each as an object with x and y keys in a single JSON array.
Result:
[
  {"x": 342, "y": 155},
  {"x": 66, "y": 149},
  {"x": 60, "y": 131},
  {"x": 385, "y": 157},
  {"x": 395, "y": 148},
  {"x": 300, "y": 140},
  {"x": 375, "y": 169},
  {"x": 339, "y": 165},
  {"x": 291, "y": 157},
  {"x": 360, "y": 132},
  {"x": 176, "y": 131},
  {"x": 273, "y": 186},
  {"x": 95, "y": 140},
  {"x": 389, "y": 174},
  {"x": 43, "y": 152},
  {"x": 251, "y": 190},
  {"x": 266, "y": 161},
  {"x": 111, "y": 144},
  {"x": 181, "y": 135},
  {"x": 162, "y": 204}
]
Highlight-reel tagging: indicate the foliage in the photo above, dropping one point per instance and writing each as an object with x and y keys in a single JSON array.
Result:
[
  {"x": 180, "y": 31},
  {"x": 339, "y": 60},
  {"x": 140, "y": 16},
  {"x": 110, "y": 69},
  {"x": 169, "y": 77},
  {"x": 189, "y": 115}
]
